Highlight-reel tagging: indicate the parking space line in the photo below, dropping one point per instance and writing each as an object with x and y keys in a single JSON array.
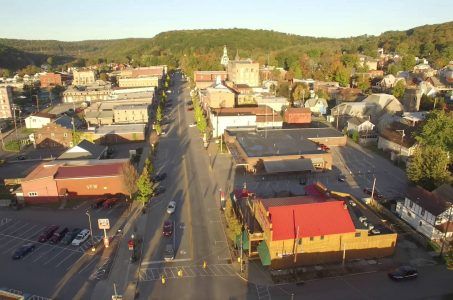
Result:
[
  {"x": 39, "y": 257},
  {"x": 172, "y": 274},
  {"x": 66, "y": 258},
  {"x": 9, "y": 225},
  {"x": 23, "y": 234},
  {"x": 18, "y": 229},
  {"x": 55, "y": 256}
]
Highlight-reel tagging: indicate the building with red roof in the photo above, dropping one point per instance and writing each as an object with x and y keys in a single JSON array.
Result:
[
  {"x": 53, "y": 181},
  {"x": 308, "y": 230}
]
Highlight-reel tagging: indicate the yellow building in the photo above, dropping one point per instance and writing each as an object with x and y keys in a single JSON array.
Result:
[
  {"x": 244, "y": 72},
  {"x": 152, "y": 81},
  {"x": 309, "y": 230},
  {"x": 83, "y": 77}
]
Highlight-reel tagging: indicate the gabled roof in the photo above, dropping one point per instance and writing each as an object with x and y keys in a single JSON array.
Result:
[
  {"x": 84, "y": 150},
  {"x": 434, "y": 203},
  {"x": 310, "y": 220},
  {"x": 89, "y": 171},
  {"x": 314, "y": 101},
  {"x": 357, "y": 121}
]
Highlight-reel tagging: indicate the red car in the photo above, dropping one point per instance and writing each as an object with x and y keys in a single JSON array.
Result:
[
  {"x": 47, "y": 233},
  {"x": 109, "y": 202},
  {"x": 168, "y": 228},
  {"x": 190, "y": 108}
]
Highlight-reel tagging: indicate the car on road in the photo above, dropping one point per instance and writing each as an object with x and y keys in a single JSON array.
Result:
[
  {"x": 403, "y": 273},
  {"x": 21, "y": 157},
  {"x": 190, "y": 108},
  {"x": 159, "y": 190},
  {"x": 47, "y": 233},
  {"x": 57, "y": 236},
  {"x": 341, "y": 178},
  {"x": 376, "y": 195},
  {"x": 70, "y": 236},
  {"x": 169, "y": 253},
  {"x": 109, "y": 203},
  {"x": 159, "y": 177},
  {"x": 168, "y": 91},
  {"x": 171, "y": 207},
  {"x": 81, "y": 237},
  {"x": 167, "y": 228},
  {"x": 98, "y": 203},
  {"x": 23, "y": 250},
  {"x": 192, "y": 125}
]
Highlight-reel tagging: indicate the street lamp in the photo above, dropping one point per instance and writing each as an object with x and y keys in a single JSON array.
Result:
[
  {"x": 91, "y": 231},
  {"x": 401, "y": 145}
]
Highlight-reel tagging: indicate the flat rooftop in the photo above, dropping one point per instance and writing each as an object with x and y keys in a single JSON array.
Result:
[{"x": 281, "y": 142}]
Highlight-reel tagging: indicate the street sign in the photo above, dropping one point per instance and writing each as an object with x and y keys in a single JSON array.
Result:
[{"x": 103, "y": 223}]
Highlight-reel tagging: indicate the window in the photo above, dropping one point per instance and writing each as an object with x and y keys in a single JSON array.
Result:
[
  {"x": 423, "y": 212},
  {"x": 409, "y": 214},
  {"x": 411, "y": 204},
  {"x": 312, "y": 238},
  {"x": 32, "y": 194},
  {"x": 322, "y": 237},
  {"x": 358, "y": 234}
]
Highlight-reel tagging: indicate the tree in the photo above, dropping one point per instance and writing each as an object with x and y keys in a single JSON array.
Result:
[
  {"x": 159, "y": 114},
  {"x": 283, "y": 89},
  {"x": 144, "y": 187},
  {"x": 342, "y": 76},
  {"x": 408, "y": 62},
  {"x": 398, "y": 89},
  {"x": 437, "y": 131},
  {"x": 149, "y": 166},
  {"x": 233, "y": 225},
  {"x": 355, "y": 136},
  {"x": 300, "y": 91},
  {"x": 363, "y": 83},
  {"x": 103, "y": 76},
  {"x": 50, "y": 60},
  {"x": 129, "y": 174},
  {"x": 428, "y": 167}
]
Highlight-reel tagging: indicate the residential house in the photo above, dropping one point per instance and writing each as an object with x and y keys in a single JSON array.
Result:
[
  {"x": 276, "y": 103},
  {"x": 98, "y": 92},
  {"x": 389, "y": 81},
  {"x": 6, "y": 102},
  {"x": 399, "y": 140},
  {"x": 359, "y": 125},
  {"x": 308, "y": 230},
  {"x": 38, "y": 120},
  {"x": 317, "y": 105},
  {"x": 84, "y": 150},
  {"x": 84, "y": 77},
  {"x": 368, "y": 62},
  {"x": 79, "y": 179},
  {"x": 58, "y": 134},
  {"x": 424, "y": 70},
  {"x": 428, "y": 212}
]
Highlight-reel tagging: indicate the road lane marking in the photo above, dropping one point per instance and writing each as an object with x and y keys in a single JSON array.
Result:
[
  {"x": 66, "y": 258},
  {"x": 155, "y": 262}
]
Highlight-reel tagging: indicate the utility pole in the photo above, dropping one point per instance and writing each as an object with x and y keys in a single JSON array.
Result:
[
  {"x": 344, "y": 253},
  {"x": 295, "y": 246},
  {"x": 372, "y": 190}
]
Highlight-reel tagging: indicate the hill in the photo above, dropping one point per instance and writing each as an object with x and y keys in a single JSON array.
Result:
[{"x": 201, "y": 49}]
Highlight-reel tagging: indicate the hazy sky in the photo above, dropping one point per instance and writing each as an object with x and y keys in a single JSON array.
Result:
[{"x": 102, "y": 19}]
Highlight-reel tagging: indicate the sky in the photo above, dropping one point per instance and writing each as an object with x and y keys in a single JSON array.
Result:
[{"x": 101, "y": 19}]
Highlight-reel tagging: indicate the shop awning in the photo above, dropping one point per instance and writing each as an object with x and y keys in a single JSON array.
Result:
[
  {"x": 263, "y": 252},
  {"x": 288, "y": 165},
  {"x": 245, "y": 240}
]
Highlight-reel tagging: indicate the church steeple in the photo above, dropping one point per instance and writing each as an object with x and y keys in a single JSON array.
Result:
[{"x": 224, "y": 60}]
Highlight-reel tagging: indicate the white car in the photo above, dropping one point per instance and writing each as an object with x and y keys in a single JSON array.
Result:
[
  {"x": 171, "y": 207},
  {"x": 81, "y": 237},
  {"x": 193, "y": 125},
  {"x": 168, "y": 91}
]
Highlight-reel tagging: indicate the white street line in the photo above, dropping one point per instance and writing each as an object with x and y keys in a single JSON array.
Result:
[
  {"x": 155, "y": 262},
  {"x": 66, "y": 258},
  {"x": 44, "y": 253},
  {"x": 54, "y": 256},
  {"x": 18, "y": 229}
]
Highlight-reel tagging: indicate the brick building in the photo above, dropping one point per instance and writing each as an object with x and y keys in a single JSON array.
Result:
[
  {"x": 296, "y": 115},
  {"x": 244, "y": 72},
  {"x": 52, "y": 79},
  {"x": 56, "y": 180},
  {"x": 6, "y": 100},
  {"x": 204, "y": 79},
  {"x": 57, "y": 134},
  {"x": 149, "y": 81}
]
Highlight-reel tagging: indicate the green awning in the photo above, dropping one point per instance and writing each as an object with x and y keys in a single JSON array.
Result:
[
  {"x": 245, "y": 240},
  {"x": 263, "y": 252}
]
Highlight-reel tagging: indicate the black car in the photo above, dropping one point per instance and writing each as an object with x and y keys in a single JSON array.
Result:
[
  {"x": 98, "y": 203},
  {"x": 341, "y": 178},
  {"x": 47, "y": 233},
  {"x": 159, "y": 190},
  {"x": 70, "y": 236},
  {"x": 21, "y": 157},
  {"x": 159, "y": 177},
  {"x": 58, "y": 235},
  {"x": 403, "y": 273},
  {"x": 23, "y": 250}
]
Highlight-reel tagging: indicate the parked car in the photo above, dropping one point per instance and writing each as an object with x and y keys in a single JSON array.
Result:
[
  {"x": 169, "y": 253},
  {"x": 352, "y": 203},
  {"x": 47, "y": 233},
  {"x": 403, "y": 273},
  {"x": 98, "y": 203},
  {"x": 376, "y": 194},
  {"x": 168, "y": 228},
  {"x": 362, "y": 219},
  {"x": 159, "y": 177},
  {"x": 81, "y": 237},
  {"x": 375, "y": 231},
  {"x": 159, "y": 190},
  {"x": 341, "y": 178},
  {"x": 23, "y": 250},
  {"x": 171, "y": 207},
  {"x": 57, "y": 236},
  {"x": 190, "y": 108},
  {"x": 192, "y": 125},
  {"x": 70, "y": 236},
  {"x": 108, "y": 203},
  {"x": 21, "y": 157}
]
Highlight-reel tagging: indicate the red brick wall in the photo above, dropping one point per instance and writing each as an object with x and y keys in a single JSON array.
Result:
[
  {"x": 46, "y": 189},
  {"x": 53, "y": 136},
  {"x": 92, "y": 186},
  {"x": 50, "y": 79},
  {"x": 298, "y": 117}
]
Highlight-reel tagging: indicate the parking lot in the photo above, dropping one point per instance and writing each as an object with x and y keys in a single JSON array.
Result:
[{"x": 57, "y": 269}]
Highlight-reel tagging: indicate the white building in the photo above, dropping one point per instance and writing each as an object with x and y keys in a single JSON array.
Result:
[
  {"x": 359, "y": 125},
  {"x": 38, "y": 120},
  {"x": 317, "y": 105},
  {"x": 427, "y": 212}
]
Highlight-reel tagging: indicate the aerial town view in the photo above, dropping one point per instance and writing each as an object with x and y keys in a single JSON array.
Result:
[{"x": 241, "y": 150}]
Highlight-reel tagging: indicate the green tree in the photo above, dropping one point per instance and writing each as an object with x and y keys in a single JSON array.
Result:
[
  {"x": 398, "y": 89},
  {"x": 394, "y": 68},
  {"x": 103, "y": 76},
  {"x": 50, "y": 60},
  {"x": 408, "y": 62},
  {"x": 158, "y": 128},
  {"x": 159, "y": 114},
  {"x": 144, "y": 187},
  {"x": 283, "y": 89},
  {"x": 149, "y": 166},
  {"x": 233, "y": 225},
  {"x": 363, "y": 83},
  {"x": 355, "y": 136},
  {"x": 342, "y": 76},
  {"x": 129, "y": 177},
  {"x": 428, "y": 167},
  {"x": 437, "y": 131}
]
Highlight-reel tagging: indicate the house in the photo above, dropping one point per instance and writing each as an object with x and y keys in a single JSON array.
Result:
[
  {"x": 96, "y": 92},
  {"x": 308, "y": 230},
  {"x": 79, "y": 179},
  {"x": 58, "y": 134},
  {"x": 218, "y": 95},
  {"x": 398, "y": 139},
  {"x": 297, "y": 115},
  {"x": 38, "y": 120},
  {"x": 428, "y": 212},
  {"x": 359, "y": 125},
  {"x": 424, "y": 70},
  {"x": 84, "y": 150},
  {"x": 204, "y": 79},
  {"x": 368, "y": 62},
  {"x": 389, "y": 81},
  {"x": 276, "y": 103},
  {"x": 317, "y": 105}
]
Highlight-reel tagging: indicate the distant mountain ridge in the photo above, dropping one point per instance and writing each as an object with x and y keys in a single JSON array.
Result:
[{"x": 431, "y": 41}]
